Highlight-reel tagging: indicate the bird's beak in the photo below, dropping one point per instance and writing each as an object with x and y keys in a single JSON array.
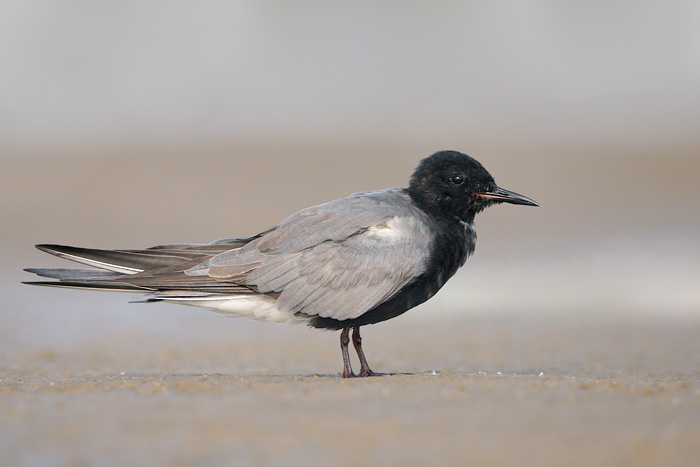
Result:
[{"x": 505, "y": 196}]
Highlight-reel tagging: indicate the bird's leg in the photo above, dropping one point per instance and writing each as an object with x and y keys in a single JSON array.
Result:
[
  {"x": 344, "y": 341},
  {"x": 365, "y": 370}
]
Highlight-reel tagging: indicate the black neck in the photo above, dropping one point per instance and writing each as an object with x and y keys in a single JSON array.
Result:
[{"x": 442, "y": 212}]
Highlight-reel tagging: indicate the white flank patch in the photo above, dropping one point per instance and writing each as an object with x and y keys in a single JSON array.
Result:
[
  {"x": 255, "y": 307},
  {"x": 395, "y": 229}
]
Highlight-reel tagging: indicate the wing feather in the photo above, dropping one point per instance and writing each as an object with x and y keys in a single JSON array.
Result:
[{"x": 336, "y": 260}]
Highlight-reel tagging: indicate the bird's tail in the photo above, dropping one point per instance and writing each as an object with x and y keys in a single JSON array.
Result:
[
  {"x": 111, "y": 265},
  {"x": 121, "y": 270}
]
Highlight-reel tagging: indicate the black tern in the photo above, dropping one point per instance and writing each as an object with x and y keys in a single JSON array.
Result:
[{"x": 344, "y": 264}]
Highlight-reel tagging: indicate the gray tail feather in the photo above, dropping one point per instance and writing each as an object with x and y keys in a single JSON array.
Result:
[
  {"x": 106, "y": 278},
  {"x": 82, "y": 279},
  {"x": 135, "y": 261},
  {"x": 118, "y": 270},
  {"x": 94, "y": 285},
  {"x": 122, "y": 261},
  {"x": 74, "y": 274}
]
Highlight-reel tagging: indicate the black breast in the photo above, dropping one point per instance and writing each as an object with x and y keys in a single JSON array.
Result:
[{"x": 454, "y": 242}]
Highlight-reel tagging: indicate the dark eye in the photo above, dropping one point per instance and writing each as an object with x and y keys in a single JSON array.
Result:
[{"x": 457, "y": 179}]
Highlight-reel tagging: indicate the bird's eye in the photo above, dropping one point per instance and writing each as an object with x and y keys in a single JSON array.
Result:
[{"x": 457, "y": 179}]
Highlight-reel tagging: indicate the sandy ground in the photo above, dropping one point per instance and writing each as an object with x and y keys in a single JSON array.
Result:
[
  {"x": 570, "y": 338},
  {"x": 535, "y": 390}
]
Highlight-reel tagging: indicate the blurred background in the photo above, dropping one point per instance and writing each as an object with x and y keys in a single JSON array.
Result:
[{"x": 129, "y": 124}]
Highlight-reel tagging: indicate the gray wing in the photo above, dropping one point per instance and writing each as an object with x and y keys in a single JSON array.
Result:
[{"x": 336, "y": 260}]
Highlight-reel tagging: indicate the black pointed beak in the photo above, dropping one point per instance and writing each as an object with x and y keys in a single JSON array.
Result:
[{"x": 505, "y": 196}]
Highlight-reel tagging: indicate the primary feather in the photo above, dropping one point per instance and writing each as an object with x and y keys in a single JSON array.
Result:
[{"x": 336, "y": 260}]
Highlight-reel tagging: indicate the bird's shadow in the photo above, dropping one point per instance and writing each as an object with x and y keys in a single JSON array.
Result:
[{"x": 251, "y": 376}]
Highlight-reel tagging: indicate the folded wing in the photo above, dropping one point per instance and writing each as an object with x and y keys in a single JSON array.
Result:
[{"x": 336, "y": 260}]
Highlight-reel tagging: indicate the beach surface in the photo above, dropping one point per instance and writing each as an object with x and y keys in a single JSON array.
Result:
[
  {"x": 505, "y": 390},
  {"x": 571, "y": 337}
]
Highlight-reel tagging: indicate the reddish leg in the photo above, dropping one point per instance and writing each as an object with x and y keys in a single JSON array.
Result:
[
  {"x": 344, "y": 341},
  {"x": 365, "y": 370}
]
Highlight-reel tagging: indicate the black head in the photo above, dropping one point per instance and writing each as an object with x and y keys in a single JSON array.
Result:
[{"x": 452, "y": 184}]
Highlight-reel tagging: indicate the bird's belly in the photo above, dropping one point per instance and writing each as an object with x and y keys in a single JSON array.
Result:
[{"x": 255, "y": 307}]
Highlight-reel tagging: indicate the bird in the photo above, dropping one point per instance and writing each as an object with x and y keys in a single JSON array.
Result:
[{"x": 341, "y": 265}]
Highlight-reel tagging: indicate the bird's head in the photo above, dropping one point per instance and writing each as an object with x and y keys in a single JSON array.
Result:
[{"x": 453, "y": 184}]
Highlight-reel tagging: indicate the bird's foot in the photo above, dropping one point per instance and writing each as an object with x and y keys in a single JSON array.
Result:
[
  {"x": 368, "y": 372},
  {"x": 364, "y": 373}
]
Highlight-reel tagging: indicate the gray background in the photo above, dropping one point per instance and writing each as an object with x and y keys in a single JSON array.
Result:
[{"x": 124, "y": 125}]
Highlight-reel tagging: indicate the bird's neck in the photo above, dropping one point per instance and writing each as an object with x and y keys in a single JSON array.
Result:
[{"x": 441, "y": 212}]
